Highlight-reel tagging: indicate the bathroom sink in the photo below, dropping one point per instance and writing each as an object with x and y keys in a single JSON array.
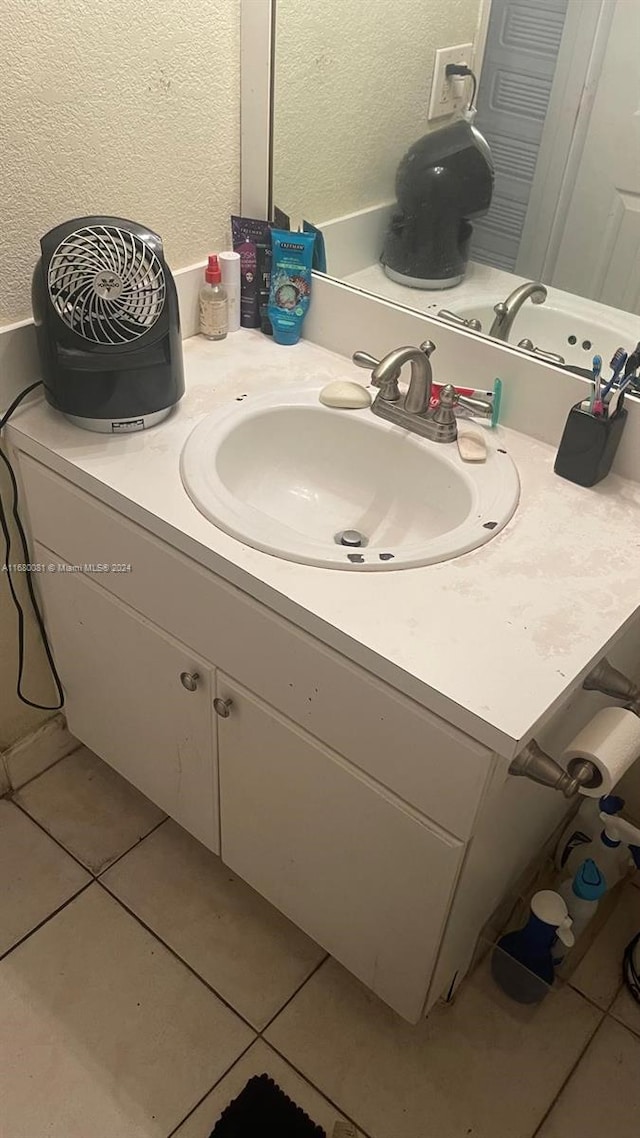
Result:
[
  {"x": 286, "y": 475},
  {"x": 576, "y": 334}
]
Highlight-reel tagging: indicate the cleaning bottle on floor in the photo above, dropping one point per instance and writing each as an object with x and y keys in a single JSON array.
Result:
[
  {"x": 583, "y": 828},
  {"x": 582, "y": 896},
  {"x": 613, "y": 849},
  {"x": 523, "y": 963}
]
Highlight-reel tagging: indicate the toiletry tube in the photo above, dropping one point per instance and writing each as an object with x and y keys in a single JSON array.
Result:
[
  {"x": 290, "y": 291},
  {"x": 611, "y": 741},
  {"x": 264, "y": 254},
  {"x": 247, "y": 232},
  {"x": 319, "y": 251},
  {"x": 230, "y": 268}
]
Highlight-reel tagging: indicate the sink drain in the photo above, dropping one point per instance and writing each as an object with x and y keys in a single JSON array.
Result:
[{"x": 352, "y": 538}]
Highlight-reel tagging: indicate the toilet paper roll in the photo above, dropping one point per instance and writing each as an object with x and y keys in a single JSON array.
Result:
[{"x": 611, "y": 741}]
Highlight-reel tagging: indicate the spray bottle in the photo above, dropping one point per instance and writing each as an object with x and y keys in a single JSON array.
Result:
[
  {"x": 614, "y": 849},
  {"x": 583, "y": 828},
  {"x": 582, "y": 897}
]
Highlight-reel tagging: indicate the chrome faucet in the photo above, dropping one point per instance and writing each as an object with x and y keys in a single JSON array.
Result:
[
  {"x": 411, "y": 410},
  {"x": 507, "y": 310}
]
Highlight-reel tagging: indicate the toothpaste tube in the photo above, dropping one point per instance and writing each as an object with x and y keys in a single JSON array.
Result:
[{"x": 481, "y": 404}]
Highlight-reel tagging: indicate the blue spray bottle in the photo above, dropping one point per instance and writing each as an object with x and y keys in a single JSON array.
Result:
[{"x": 523, "y": 963}]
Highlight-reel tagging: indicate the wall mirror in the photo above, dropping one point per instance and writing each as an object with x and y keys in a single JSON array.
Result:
[{"x": 356, "y": 84}]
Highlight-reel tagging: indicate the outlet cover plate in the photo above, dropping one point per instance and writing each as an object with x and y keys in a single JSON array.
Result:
[{"x": 444, "y": 101}]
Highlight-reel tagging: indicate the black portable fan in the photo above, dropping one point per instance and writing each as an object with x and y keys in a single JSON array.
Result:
[{"x": 108, "y": 326}]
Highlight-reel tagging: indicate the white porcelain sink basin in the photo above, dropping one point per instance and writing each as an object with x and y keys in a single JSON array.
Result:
[
  {"x": 286, "y": 475},
  {"x": 577, "y": 333}
]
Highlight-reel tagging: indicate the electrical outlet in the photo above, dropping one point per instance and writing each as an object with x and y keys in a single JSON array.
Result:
[{"x": 444, "y": 100}]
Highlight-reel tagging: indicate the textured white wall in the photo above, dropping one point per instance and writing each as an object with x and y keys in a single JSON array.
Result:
[
  {"x": 352, "y": 89},
  {"x": 115, "y": 107}
]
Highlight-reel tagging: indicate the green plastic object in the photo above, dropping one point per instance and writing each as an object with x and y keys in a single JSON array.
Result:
[{"x": 497, "y": 400}]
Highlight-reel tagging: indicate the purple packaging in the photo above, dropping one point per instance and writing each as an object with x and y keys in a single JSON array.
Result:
[{"x": 247, "y": 233}]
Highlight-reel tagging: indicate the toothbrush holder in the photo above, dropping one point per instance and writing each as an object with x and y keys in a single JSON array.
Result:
[{"x": 588, "y": 446}]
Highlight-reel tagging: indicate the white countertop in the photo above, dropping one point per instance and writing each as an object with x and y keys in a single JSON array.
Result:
[
  {"x": 480, "y": 283},
  {"x": 492, "y": 641}
]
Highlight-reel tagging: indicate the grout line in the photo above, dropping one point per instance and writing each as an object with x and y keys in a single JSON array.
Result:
[
  {"x": 135, "y": 845},
  {"x": 177, "y": 956},
  {"x": 571, "y": 1073},
  {"x": 258, "y": 1033},
  {"x": 621, "y": 1023},
  {"x": 229, "y": 1069},
  {"x": 28, "y": 781},
  {"x": 94, "y": 875},
  {"x": 74, "y": 897},
  {"x": 591, "y": 999},
  {"x": 294, "y": 994},
  {"x": 212, "y": 1088},
  {"x": 324, "y": 1094},
  {"x": 51, "y": 836}
]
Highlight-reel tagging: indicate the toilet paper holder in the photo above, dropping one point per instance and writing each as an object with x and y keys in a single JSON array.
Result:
[
  {"x": 535, "y": 764},
  {"x": 608, "y": 680}
]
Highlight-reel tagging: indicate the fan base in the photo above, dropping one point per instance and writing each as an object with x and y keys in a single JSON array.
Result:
[{"x": 120, "y": 426}]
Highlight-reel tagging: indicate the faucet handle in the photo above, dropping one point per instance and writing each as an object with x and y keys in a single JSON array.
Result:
[
  {"x": 364, "y": 359},
  {"x": 428, "y": 347},
  {"x": 389, "y": 389},
  {"x": 444, "y": 415}
]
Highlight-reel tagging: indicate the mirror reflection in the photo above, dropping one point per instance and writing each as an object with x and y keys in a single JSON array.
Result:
[{"x": 478, "y": 161}]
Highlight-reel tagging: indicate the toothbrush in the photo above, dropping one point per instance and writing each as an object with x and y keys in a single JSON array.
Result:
[
  {"x": 597, "y": 406},
  {"x": 633, "y": 362},
  {"x": 616, "y": 398},
  {"x": 616, "y": 363}
]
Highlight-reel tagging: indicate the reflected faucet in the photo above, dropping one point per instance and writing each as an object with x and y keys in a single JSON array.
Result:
[{"x": 507, "y": 310}]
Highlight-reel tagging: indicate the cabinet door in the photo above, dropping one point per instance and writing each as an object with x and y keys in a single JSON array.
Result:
[
  {"x": 354, "y": 867},
  {"x": 126, "y": 701}
]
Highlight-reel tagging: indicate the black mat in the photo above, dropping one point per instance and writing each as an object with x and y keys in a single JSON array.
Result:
[{"x": 262, "y": 1110}]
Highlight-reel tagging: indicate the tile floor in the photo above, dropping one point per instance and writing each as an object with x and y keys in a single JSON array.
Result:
[{"x": 142, "y": 984}]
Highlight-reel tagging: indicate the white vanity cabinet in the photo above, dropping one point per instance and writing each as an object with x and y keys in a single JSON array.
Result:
[
  {"x": 352, "y": 865},
  {"x": 126, "y": 700},
  {"x": 369, "y": 821}
]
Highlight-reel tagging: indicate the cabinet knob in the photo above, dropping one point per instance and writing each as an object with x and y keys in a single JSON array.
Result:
[
  {"x": 189, "y": 680},
  {"x": 222, "y": 707}
]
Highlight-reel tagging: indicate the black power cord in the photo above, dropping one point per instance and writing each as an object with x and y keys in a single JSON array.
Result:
[
  {"x": 4, "y": 526},
  {"x": 630, "y": 968},
  {"x": 462, "y": 69}
]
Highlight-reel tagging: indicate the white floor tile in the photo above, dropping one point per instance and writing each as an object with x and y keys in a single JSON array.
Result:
[
  {"x": 89, "y": 808},
  {"x": 260, "y": 1059},
  {"x": 252, "y": 955},
  {"x": 103, "y": 1033},
  {"x": 599, "y": 974},
  {"x": 485, "y": 1066},
  {"x": 602, "y": 1097},
  {"x": 36, "y": 876}
]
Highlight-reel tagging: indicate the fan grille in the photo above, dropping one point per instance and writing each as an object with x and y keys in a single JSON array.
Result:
[{"x": 106, "y": 284}]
